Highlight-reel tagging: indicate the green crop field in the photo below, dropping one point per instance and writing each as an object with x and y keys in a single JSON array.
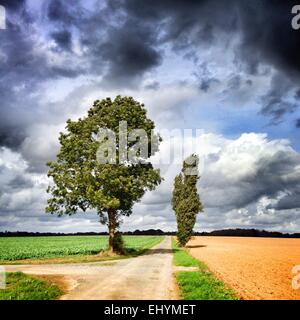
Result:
[{"x": 17, "y": 248}]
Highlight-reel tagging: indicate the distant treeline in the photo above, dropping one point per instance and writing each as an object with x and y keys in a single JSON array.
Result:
[
  {"x": 227, "y": 233},
  {"x": 249, "y": 233},
  {"x": 54, "y": 234}
]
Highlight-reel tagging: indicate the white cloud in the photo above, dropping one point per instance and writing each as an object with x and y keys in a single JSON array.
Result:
[
  {"x": 242, "y": 182},
  {"x": 20, "y": 190},
  {"x": 41, "y": 145}
]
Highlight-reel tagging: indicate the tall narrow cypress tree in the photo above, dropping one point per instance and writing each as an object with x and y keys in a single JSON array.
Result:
[{"x": 186, "y": 200}]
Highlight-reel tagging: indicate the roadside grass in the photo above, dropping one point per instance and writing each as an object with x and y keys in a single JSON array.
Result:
[
  {"x": 20, "y": 286},
  {"x": 68, "y": 249},
  {"x": 201, "y": 284},
  {"x": 183, "y": 259}
]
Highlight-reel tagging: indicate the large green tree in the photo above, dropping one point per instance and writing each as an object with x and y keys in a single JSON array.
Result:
[
  {"x": 82, "y": 182},
  {"x": 186, "y": 200}
]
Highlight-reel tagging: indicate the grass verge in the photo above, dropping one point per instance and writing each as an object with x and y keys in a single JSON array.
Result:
[
  {"x": 20, "y": 286},
  {"x": 183, "y": 259},
  {"x": 201, "y": 284}
]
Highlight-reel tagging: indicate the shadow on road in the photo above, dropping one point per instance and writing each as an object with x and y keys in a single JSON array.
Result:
[
  {"x": 195, "y": 246},
  {"x": 156, "y": 251},
  {"x": 169, "y": 251}
]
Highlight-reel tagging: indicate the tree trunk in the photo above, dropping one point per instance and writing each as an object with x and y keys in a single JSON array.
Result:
[{"x": 112, "y": 224}]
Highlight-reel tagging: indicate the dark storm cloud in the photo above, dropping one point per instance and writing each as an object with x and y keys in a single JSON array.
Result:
[
  {"x": 58, "y": 11},
  {"x": 234, "y": 83},
  {"x": 129, "y": 51},
  {"x": 11, "y": 136},
  {"x": 267, "y": 37},
  {"x": 124, "y": 46},
  {"x": 125, "y": 39},
  {"x": 204, "y": 77},
  {"x": 63, "y": 39},
  {"x": 154, "y": 85},
  {"x": 270, "y": 175},
  {"x": 24, "y": 66},
  {"x": 268, "y": 34},
  {"x": 275, "y": 102},
  {"x": 283, "y": 163},
  {"x": 12, "y": 4},
  {"x": 264, "y": 27},
  {"x": 66, "y": 12},
  {"x": 121, "y": 54},
  {"x": 184, "y": 22},
  {"x": 19, "y": 182},
  {"x": 288, "y": 201}
]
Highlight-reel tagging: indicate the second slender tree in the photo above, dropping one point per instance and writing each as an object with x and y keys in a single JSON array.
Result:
[{"x": 186, "y": 200}]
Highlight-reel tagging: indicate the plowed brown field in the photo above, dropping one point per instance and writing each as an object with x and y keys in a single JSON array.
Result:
[{"x": 256, "y": 268}]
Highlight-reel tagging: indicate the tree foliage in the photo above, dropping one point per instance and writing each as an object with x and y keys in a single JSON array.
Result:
[
  {"x": 186, "y": 200},
  {"x": 82, "y": 183}
]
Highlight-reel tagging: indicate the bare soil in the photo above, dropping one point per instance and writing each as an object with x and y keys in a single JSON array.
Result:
[{"x": 256, "y": 268}]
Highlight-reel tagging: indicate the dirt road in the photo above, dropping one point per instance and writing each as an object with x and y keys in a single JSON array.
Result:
[
  {"x": 148, "y": 276},
  {"x": 257, "y": 268}
]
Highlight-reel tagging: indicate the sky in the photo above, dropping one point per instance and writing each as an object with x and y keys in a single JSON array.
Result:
[{"x": 230, "y": 70}]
